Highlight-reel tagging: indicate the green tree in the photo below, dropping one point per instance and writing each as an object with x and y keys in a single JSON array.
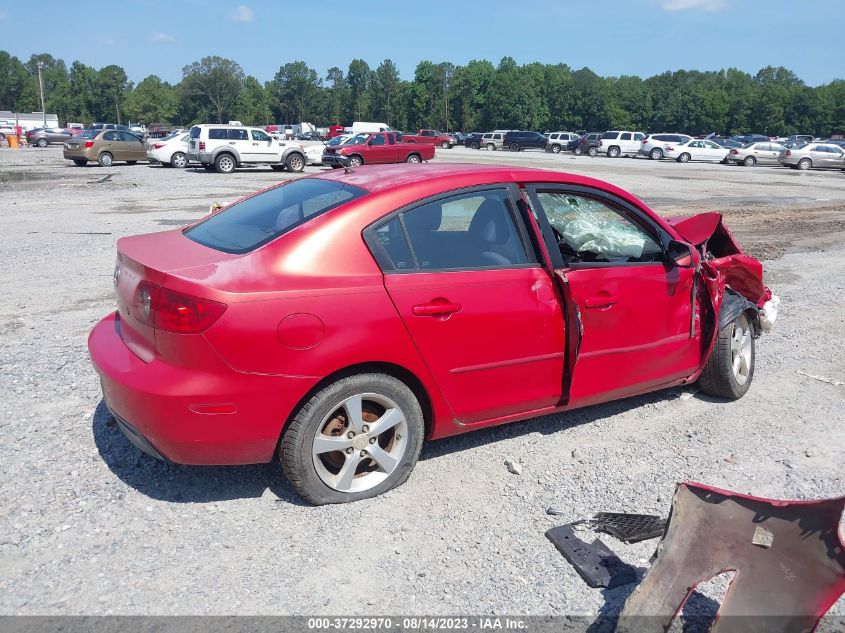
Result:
[
  {"x": 213, "y": 84},
  {"x": 253, "y": 104},
  {"x": 152, "y": 101},
  {"x": 359, "y": 77},
  {"x": 385, "y": 85},
  {"x": 296, "y": 91}
]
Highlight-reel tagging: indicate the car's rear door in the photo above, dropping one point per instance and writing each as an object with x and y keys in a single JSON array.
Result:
[
  {"x": 484, "y": 314},
  {"x": 634, "y": 306}
]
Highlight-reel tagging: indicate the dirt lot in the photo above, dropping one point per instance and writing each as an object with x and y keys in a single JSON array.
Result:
[{"x": 88, "y": 525}]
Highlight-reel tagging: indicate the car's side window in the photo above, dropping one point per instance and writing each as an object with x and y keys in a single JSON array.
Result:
[
  {"x": 217, "y": 134},
  {"x": 237, "y": 135},
  {"x": 390, "y": 241},
  {"x": 110, "y": 136},
  {"x": 377, "y": 139},
  {"x": 258, "y": 135},
  {"x": 625, "y": 137},
  {"x": 590, "y": 231}
]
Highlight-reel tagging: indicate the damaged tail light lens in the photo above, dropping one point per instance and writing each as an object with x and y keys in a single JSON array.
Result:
[
  {"x": 733, "y": 151},
  {"x": 172, "y": 311}
]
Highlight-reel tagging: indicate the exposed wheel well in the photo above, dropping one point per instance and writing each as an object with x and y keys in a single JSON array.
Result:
[{"x": 375, "y": 367}]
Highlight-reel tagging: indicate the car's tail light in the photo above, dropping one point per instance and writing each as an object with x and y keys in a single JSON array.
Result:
[
  {"x": 202, "y": 145},
  {"x": 788, "y": 152},
  {"x": 158, "y": 145},
  {"x": 733, "y": 151},
  {"x": 172, "y": 311},
  {"x": 89, "y": 144}
]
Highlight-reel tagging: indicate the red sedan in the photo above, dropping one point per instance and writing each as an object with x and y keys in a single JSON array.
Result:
[{"x": 339, "y": 320}]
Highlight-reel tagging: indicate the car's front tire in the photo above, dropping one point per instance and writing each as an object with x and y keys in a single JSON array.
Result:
[
  {"x": 446, "y": 145},
  {"x": 295, "y": 162},
  {"x": 730, "y": 368},
  {"x": 355, "y": 438},
  {"x": 684, "y": 158}
]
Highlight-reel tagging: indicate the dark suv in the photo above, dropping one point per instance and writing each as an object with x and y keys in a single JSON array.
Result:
[
  {"x": 587, "y": 144},
  {"x": 518, "y": 141}
]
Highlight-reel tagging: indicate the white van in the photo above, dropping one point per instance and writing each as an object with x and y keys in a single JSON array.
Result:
[{"x": 369, "y": 127}]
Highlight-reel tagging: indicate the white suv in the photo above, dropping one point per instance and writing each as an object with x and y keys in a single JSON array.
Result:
[
  {"x": 226, "y": 147},
  {"x": 493, "y": 140},
  {"x": 558, "y": 141},
  {"x": 619, "y": 143}
]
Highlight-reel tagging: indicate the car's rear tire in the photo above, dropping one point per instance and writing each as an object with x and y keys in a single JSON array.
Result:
[
  {"x": 179, "y": 160},
  {"x": 613, "y": 152},
  {"x": 491, "y": 147},
  {"x": 224, "y": 164},
  {"x": 376, "y": 424},
  {"x": 730, "y": 368},
  {"x": 593, "y": 151},
  {"x": 656, "y": 154},
  {"x": 80, "y": 162},
  {"x": 42, "y": 142},
  {"x": 295, "y": 162},
  {"x": 413, "y": 158},
  {"x": 355, "y": 161},
  {"x": 684, "y": 158},
  {"x": 105, "y": 159},
  {"x": 749, "y": 161},
  {"x": 578, "y": 151},
  {"x": 805, "y": 163}
]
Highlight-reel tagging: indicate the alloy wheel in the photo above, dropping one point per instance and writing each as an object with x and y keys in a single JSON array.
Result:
[{"x": 741, "y": 350}]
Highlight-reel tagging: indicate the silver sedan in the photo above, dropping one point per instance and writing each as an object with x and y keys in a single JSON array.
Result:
[
  {"x": 814, "y": 155},
  {"x": 754, "y": 153}
]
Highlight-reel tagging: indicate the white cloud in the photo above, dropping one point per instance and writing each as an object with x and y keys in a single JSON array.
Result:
[
  {"x": 162, "y": 37},
  {"x": 242, "y": 14},
  {"x": 694, "y": 5}
]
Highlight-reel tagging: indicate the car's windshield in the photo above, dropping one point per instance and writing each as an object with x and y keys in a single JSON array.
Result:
[
  {"x": 253, "y": 222},
  {"x": 358, "y": 139}
]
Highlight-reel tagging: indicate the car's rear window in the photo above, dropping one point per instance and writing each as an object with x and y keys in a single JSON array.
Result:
[
  {"x": 90, "y": 134},
  {"x": 217, "y": 134},
  {"x": 246, "y": 225},
  {"x": 195, "y": 132}
]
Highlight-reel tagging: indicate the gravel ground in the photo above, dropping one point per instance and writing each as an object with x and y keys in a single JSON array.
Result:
[{"x": 90, "y": 526}]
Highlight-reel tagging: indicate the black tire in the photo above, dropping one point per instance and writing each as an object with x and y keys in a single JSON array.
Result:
[
  {"x": 295, "y": 162},
  {"x": 804, "y": 164},
  {"x": 178, "y": 160},
  {"x": 749, "y": 161},
  {"x": 277, "y": 167},
  {"x": 413, "y": 158},
  {"x": 578, "y": 151},
  {"x": 718, "y": 378},
  {"x": 656, "y": 154},
  {"x": 555, "y": 149},
  {"x": 491, "y": 147},
  {"x": 514, "y": 147},
  {"x": 592, "y": 151},
  {"x": 224, "y": 163},
  {"x": 446, "y": 145},
  {"x": 684, "y": 158},
  {"x": 105, "y": 159},
  {"x": 42, "y": 142},
  {"x": 80, "y": 162},
  {"x": 473, "y": 146},
  {"x": 355, "y": 161},
  {"x": 613, "y": 152},
  {"x": 131, "y": 162},
  {"x": 295, "y": 449}
]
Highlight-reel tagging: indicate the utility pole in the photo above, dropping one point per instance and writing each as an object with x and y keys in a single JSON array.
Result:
[
  {"x": 446, "y": 76},
  {"x": 41, "y": 86}
]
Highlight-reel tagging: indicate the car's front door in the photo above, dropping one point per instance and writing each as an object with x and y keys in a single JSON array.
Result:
[
  {"x": 634, "y": 305},
  {"x": 379, "y": 151},
  {"x": 262, "y": 148},
  {"x": 484, "y": 314},
  {"x": 132, "y": 147}
]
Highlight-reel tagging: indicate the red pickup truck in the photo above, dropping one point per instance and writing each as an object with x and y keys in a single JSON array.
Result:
[
  {"x": 431, "y": 137},
  {"x": 375, "y": 148}
]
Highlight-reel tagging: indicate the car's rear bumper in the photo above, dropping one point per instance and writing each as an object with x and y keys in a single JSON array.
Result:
[{"x": 192, "y": 415}]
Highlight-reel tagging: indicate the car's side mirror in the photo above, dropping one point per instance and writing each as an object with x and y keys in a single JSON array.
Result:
[{"x": 681, "y": 254}]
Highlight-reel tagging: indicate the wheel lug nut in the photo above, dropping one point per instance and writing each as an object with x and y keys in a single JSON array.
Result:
[
  {"x": 365, "y": 428},
  {"x": 350, "y": 435},
  {"x": 372, "y": 440},
  {"x": 398, "y": 437},
  {"x": 363, "y": 453},
  {"x": 349, "y": 451}
]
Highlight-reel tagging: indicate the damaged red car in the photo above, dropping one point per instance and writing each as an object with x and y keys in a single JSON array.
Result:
[{"x": 340, "y": 320}]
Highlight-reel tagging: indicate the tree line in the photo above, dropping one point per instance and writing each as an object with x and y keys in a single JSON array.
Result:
[{"x": 478, "y": 96}]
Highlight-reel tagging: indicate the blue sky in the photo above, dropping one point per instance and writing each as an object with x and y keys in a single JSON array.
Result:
[{"x": 612, "y": 37}]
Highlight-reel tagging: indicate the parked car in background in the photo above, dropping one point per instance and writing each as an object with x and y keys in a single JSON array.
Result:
[
  {"x": 313, "y": 151},
  {"x": 308, "y": 136},
  {"x": 459, "y": 137},
  {"x": 750, "y": 138},
  {"x": 430, "y": 137},
  {"x": 474, "y": 140},
  {"x": 558, "y": 141},
  {"x": 753, "y": 153},
  {"x": 104, "y": 147},
  {"x": 728, "y": 143},
  {"x": 224, "y": 148},
  {"x": 518, "y": 140},
  {"x": 42, "y": 137},
  {"x": 587, "y": 144},
  {"x": 376, "y": 148},
  {"x": 653, "y": 144},
  {"x": 249, "y": 336},
  {"x": 493, "y": 140},
  {"x": 108, "y": 126},
  {"x": 170, "y": 151},
  {"x": 338, "y": 140},
  {"x": 814, "y": 155},
  {"x": 696, "y": 150},
  {"x": 620, "y": 143},
  {"x": 138, "y": 129},
  {"x": 800, "y": 138}
]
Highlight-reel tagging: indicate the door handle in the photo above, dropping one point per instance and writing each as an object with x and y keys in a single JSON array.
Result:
[
  {"x": 600, "y": 302},
  {"x": 436, "y": 309},
  {"x": 231, "y": 142},
  {"x": 255, "y": 143}
]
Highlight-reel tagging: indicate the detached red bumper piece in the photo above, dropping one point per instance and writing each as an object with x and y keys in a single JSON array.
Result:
[{"x": 788, "y": 559}]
